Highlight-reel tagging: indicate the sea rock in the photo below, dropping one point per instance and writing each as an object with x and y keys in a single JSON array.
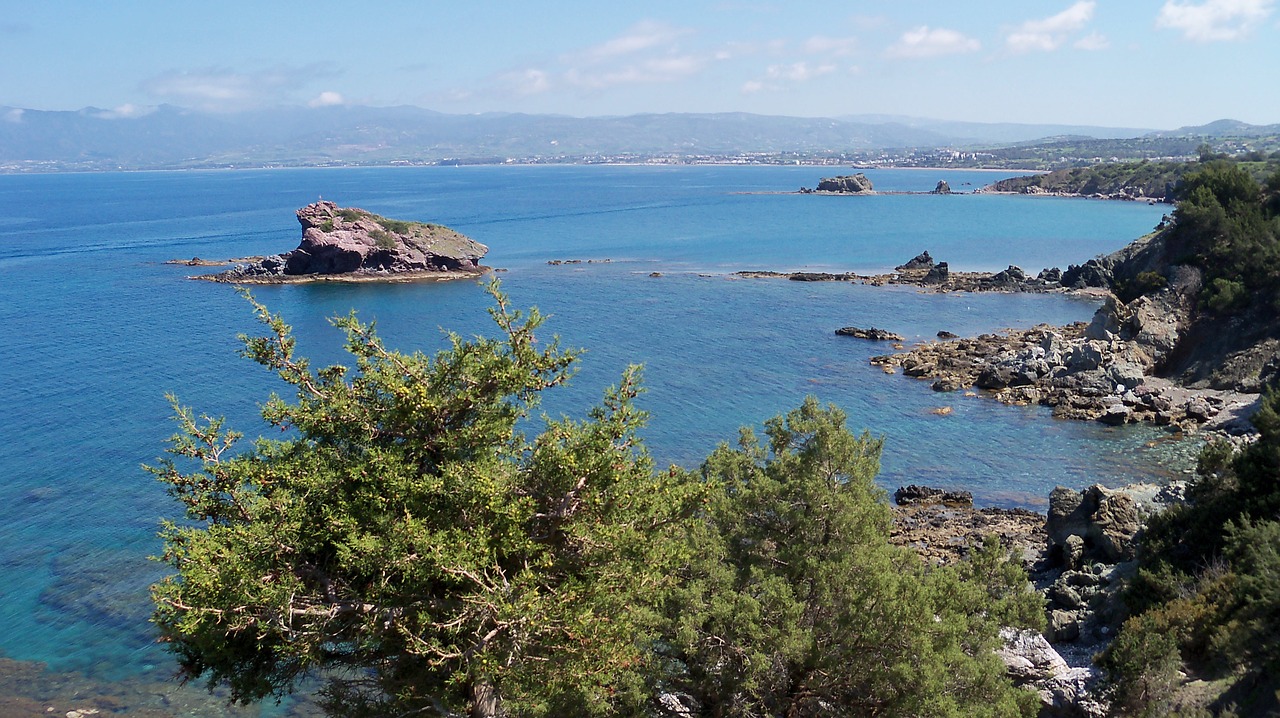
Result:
[
  {"x": 942, "y": 188},
  {"x": 1090, "y": 274},
  {"x": 1012, "y": 275},
  {"x": 846, "y": 184},
  {"x": 917, "y": 495},
  {"x": 920, "y": 261},
  {"x": 872, "y": 333},
  {"x": 340, "y": 241},
  {"x": 938, "y": 274}
]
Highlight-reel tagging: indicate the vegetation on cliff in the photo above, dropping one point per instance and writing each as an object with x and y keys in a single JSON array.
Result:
[
  {"x": 1207, "y": 600},
  {"x": 410, "y": 547},
  {"x": 1134, "y": 179}
]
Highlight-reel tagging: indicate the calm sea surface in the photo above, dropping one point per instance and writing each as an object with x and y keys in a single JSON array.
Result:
[{"x": 96, "y": 329}]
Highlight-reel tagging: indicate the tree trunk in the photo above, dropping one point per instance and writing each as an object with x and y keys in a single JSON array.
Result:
[{"x": 485, "y": 702}]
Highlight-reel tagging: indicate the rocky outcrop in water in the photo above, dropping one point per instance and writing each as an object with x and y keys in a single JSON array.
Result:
[
  {"x": 942, "y": 188},
  {"x": 340, "y": 242},
  {"x": 871, "y": 333},
  {"x": 846, "y": 184}
]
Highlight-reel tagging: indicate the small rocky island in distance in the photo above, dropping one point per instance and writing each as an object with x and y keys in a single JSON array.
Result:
[
  {"x": 859, "y": 184},
  {"x": 354, "y": 245}
]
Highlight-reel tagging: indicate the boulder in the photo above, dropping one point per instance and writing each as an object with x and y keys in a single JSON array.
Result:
[
  {"x": 1065, "y": 692},
  {"x": 1107, "y": 522}
]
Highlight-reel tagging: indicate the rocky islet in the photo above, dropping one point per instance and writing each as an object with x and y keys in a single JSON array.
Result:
[{"x": 349, "y": 244}]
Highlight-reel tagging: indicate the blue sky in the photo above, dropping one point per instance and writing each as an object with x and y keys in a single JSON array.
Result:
[{"x": 1136, "y": 63}]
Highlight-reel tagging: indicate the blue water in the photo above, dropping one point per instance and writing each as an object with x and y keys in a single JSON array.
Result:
[{"x": 96, "y": 330}]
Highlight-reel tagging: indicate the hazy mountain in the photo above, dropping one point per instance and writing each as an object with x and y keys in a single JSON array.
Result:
[
  {"x": 1221, "y": 128},
  {"x": 170, "y": 137},
  {"x": 1000, "y": 132}
]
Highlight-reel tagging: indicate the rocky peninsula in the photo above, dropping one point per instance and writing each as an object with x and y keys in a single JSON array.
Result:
[
  {"x": 355, "y": 245},
  {"x": 924, "y": 272}
]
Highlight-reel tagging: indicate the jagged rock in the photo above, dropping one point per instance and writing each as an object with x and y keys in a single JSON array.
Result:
[
  {"x": 937, "y": 274},
  {"x": 1090, "y": 274},
  {"x": 944, "y": 334},
  {"x": 942, "y": 188},
  {"x": 1065, "y": 692},
  {"x": 872, "y": 333},
  {"x": 1012, "y": 275},
  {"x": 846, "y": 184},
  {"x": 1051, "y": 274},
  {"x": 348, "y": 241},
  {"x": 920, "y": 261},
  {"x": 1105, "y": 519},
  {"x": 914, "y": 495}
]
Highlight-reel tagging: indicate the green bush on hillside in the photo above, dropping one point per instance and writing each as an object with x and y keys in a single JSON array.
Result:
[{"x": 409, "y": 547}]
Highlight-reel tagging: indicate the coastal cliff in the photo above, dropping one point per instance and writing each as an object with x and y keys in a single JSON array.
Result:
[{"x": 356, "y": 245}]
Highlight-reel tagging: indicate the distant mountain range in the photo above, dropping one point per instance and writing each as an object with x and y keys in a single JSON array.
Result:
[{"x": 174, "y": 137}]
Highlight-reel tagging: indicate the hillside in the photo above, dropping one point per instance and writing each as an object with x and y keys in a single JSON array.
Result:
[{"x": 171, "y": 137}]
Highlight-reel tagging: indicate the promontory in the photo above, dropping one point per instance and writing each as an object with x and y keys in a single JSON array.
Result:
[{"x": 349, "y": 244}]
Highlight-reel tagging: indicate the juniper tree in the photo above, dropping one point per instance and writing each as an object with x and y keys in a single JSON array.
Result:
[
  {"x": 796, "y": 604},
  {"x": 406, "y": 543}
]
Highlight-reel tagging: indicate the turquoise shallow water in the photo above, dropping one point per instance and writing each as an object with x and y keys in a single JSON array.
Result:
[{"x": 96, "y": 330}]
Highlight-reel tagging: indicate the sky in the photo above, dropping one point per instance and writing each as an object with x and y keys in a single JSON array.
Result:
[{"x": 1156, "y": 64}]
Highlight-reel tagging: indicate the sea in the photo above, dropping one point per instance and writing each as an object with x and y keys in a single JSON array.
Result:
[{"x": 97, "y": 328}]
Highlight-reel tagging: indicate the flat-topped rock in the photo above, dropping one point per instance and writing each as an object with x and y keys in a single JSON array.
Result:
[
  {"x": 355, "y": 244},
  {"x": 846, "y": 184}
]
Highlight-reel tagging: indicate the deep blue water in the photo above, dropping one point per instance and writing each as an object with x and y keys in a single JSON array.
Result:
[{"x": 97, "y": 329}]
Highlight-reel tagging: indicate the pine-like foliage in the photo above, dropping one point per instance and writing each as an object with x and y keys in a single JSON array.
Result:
[{"x": 410, "y": 546}]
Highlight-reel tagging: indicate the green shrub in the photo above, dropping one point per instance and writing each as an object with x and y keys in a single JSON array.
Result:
[{"x": 382, "y": 239}]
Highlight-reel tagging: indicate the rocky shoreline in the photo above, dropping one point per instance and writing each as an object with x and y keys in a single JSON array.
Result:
[
  {"x": 926, "y": 273},
  {"x": 1077, "y": 557}
]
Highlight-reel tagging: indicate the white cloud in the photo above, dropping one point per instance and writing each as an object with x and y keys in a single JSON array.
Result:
[
  {"x": 530, "y": 81},
  {"x": 1214, "y": 20},
  {"x": 925, "y": 42},
  {"x": 830, "y": 46},
  {"x": 1093, "y": 41},
  {"x": 778, "y": 77},
  {"x": 638, "y": 38},
  {"x": 1051, "y": 32},
  {"x": 652, "y": 70},
  {"x": 328, "y": 98},
  {"x": 223, "y": 90},
  {"x": 125, "y": 112},
  {"x": 14, "y": 115}
]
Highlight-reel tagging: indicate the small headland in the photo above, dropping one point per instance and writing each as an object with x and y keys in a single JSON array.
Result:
[{"x": 341, "y": 244}]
